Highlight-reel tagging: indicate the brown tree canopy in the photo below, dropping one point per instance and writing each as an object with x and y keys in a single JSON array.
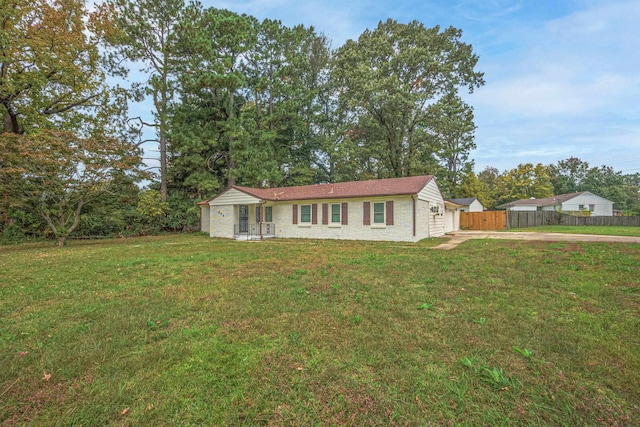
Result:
[{"x": 50, "y": 65}]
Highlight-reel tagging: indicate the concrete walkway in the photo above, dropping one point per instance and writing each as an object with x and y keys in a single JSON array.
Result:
[{"x": 460, "y": 236}]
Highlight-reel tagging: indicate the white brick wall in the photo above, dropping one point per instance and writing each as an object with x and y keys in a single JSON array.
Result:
[
  {"x": 205, "y": 222},
  {"x": 402, "y": 230},
  {"x": 221, "y": 221}
]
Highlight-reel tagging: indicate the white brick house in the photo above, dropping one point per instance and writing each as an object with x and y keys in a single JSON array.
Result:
[{"x": 396, "y": 209}]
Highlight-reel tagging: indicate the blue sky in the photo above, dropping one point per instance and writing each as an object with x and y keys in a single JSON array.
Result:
[{"x": 562, "y": 76}]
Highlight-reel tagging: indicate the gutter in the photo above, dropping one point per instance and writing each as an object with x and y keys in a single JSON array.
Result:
[
  {"x": 413, "y": 199},
  {"x": 262, "y": 202}
]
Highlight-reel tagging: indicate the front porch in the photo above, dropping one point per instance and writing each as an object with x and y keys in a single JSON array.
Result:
[
  {"x": 240, "y": 216},
  {"x": 259, "y": 231}
]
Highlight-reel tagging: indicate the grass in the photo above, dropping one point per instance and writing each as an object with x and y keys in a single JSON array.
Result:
[
  {"x": 583, "y": 229},
  {"x": 187, "y": 330}
]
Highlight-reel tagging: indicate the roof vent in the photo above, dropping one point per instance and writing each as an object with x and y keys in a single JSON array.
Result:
[{"x": 331, "y": 190}]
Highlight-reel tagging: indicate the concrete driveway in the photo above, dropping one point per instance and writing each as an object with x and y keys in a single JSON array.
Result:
[{"x": 461, "y": 236}]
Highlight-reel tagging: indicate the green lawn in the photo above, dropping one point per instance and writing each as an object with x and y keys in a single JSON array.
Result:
[
  {"x": 584, "y": 229},
  {"x": 187, "y": 330}
]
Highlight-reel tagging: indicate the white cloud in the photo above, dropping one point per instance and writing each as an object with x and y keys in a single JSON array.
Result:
[
  {"x": 571, "y": 89},
  {"x": 487, "y": 10}
]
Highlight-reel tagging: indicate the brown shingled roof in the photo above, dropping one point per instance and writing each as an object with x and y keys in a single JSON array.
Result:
[
  {"x": 547, "y": 201},
  {"x": 341, "y": 190}
]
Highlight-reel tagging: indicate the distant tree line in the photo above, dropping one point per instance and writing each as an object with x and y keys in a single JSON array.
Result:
[
  {"x": 571, "y": 175},
  {"x": 235, "y": 100}
]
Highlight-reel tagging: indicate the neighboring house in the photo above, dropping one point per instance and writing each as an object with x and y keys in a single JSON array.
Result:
[
  {"x": 470, "y": 204},
  {"x": 396, "y": 209},
  {"x": 583, "y": 201}
]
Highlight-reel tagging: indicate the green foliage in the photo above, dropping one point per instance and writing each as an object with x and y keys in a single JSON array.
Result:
[
  {"x": 451, "y": 133},
  {"x": 524, "y": 182},
  {"x": 425, "y": 306},
  {"x": 526, "y": 353},
  {"x": 182, "y": 213},
  {"x": 247, "y": 103},
  {"x": 472, "y": 186},
  {"x": 497, "y": 378},
  {"x": 57, "y": 173},
  {"x": 568, "y": 175},
  {"x": 388, "y": 77},
  {"x": 150, "y": 206},
  {"x": 12, "y": 234}
]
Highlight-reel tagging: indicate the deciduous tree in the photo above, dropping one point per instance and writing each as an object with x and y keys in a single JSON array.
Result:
[
  {"x": 524, "y": 182},
  {"x": 568, "y": 175},
  {"x": 451, "y": 134},
  {"x": 391, "y": 75},
  {"x": 57, "y": 173},
  {"x": 50, "y": 68},
  {"x": 471, "y": 186}
]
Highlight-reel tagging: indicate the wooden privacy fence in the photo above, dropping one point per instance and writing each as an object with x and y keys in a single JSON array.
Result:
[
  {"x": 520, "y": 219},
  {"x": 488, "y": 220},
  {"x": 500, "y": 220}
]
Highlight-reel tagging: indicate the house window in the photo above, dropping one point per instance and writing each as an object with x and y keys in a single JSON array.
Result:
[
  {"x": 335, "y": 214},
  {"x": 305, "y": 214},
  {"x": 592, "y": 208},
  {"x": 378, "y": 213},
  {"x": 268, "y": 214}
]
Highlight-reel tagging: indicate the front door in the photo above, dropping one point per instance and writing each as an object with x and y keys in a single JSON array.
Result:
[{"x": 243, "y": 226}]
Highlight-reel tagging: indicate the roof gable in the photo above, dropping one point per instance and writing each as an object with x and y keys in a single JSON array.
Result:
[{"x": 464, "y": 201}]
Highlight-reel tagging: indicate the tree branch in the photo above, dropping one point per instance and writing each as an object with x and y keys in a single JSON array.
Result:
[{"x": 51, "y": 110}]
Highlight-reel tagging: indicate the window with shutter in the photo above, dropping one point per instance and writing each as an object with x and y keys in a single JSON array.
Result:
[
  {"x": 366, "y": 213},
  {"x": 325, "y": 213},
  {"x": 345, "y": 214},
  {"x": 389, "y": 216},
  {"x": 314, "y": 213},
  {"x": 295, "y": 214}
]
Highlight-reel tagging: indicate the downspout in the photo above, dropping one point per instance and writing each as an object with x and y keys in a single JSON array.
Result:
[
  {"x": 262, "y": 202},
  {"x": 413, "y": 199}
]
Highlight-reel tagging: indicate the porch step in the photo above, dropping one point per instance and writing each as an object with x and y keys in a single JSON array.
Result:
[{"x": 246, "y": 238}]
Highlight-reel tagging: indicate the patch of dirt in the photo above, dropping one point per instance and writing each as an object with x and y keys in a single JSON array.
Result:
[{"x": 26, "y": 397}]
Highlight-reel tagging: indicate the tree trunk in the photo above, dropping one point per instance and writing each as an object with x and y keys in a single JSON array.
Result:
[
  {"x": 163, "y": 164},
  {"x": 231, "y": 181},
  {"x": 62, "y": 240}
]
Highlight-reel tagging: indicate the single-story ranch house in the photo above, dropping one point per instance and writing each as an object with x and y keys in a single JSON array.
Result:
[
  {"x": 395, "y": 209},
  {"x": 469, "y": 204},
  {"x": 583, "y": 201}
]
